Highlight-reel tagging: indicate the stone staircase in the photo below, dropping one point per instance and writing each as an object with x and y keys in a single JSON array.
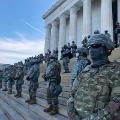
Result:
[{"x": 12, "y": 108}]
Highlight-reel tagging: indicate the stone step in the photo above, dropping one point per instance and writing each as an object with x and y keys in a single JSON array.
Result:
[
  {"x": 42, "y": 94},
  {"x": 3, "y": 115},
  {"x": 8, "y": 110},
  {"x": 37, "y": 109},
  {"x": 21, "y": 110},
  {"x": 43, "y": 103}
]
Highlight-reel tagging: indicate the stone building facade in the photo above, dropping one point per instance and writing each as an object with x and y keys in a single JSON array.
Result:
[{"x": 72, "y": 20}]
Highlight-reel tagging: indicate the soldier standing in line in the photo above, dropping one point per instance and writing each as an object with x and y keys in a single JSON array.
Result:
[
  {"x": 107, "y": 34},
  {"x": 11, "y": 75},
  {"x": 81, "y": 62},
  {"x": 69, "y": 47},
  {"x": 5, "y": 79},
  {"x": 97, "y": 92},
  {"x": 32, "y": 76},
  {"x": 19, "y": 79},
  {"x": 85, "y": 42},
  {"x": 1, "y": 72},
  {"x": 73, "y": 48},
  {"x": 118, "y": 33},
  {"x": 52, "y": 75},
  {"x": 65, "y": 57}
]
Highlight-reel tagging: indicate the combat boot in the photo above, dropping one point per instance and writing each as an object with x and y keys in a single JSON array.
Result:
[
  {"x": 55, "y": 110},
  {"x": 32, "y": 101},
  {"x": 5, "y": 89},
  {"x": 19, "y": 95},
  {"x": 9, "y": 91},
  {"x": 49, "y": 109},
  {"x": 16, "y": 95},
  {"x": 27, "y": 101}
]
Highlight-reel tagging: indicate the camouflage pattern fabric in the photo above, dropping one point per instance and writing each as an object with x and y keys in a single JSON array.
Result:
[
  {"x": 53, "y": 77},
  {"x": 19, "y": 79},
  {"x": 78, "y": 66},
  {"x": 33, "y": 75},
  {"x": 98, "y": 93}
]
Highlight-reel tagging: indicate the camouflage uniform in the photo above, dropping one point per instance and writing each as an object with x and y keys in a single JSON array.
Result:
[
  {"x": 19, "y": 79},
  {"x": 118, "y": 34},
  {"x": 5, "y": 80},
  {"x": 65, "y": 58},
  {"x": 80, "y": 64},
  {"x": 32, "y": 76},
  {"x": 52, "y": 75},
  {"x": 97, "y": 89},
  {"x": 11, "y": 80},
  {"x": 85, "y": 42},
  {"x": 73, "y": 48},
  {"x": 0, "y": 79}
]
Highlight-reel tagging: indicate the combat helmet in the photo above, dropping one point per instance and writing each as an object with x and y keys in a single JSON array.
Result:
[
  {"x": 101, "y": 39},
  {"x": 82, "y": 51},
  {"x": 53, "y": 56}
]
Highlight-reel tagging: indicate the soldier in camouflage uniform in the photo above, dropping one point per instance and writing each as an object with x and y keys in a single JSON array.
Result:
[
  {"x": 97, "y": 89},
  {"x": 19, "y": 79},
  {"x": 32, "y": 76},
  {"x": 73, "y": 48},
  {"x": 65, "y": 57},
  {"x": 5, "y": 79},
  {"x": 85, "y": 42},
  {"x": 1, "y": 78},
  {"x": 52, "y": 75},
  {"x": 11, "y": 80},
  {"x": 80, "y": 64}
]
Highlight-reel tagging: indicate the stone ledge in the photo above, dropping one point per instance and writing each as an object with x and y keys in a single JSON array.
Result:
[{"x": 53, "y": 8}]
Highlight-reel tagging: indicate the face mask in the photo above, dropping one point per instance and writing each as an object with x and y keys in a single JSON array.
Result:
[{"x": 99, "y": 56}]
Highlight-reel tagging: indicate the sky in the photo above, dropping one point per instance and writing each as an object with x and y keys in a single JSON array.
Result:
[{"x": 22, "y": 32}]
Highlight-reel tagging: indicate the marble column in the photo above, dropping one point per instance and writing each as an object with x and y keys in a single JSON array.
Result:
[
  {"x": 73, "y": 24},
  {"x": 106, "y": 16},
  {"x": 118, "y": 6},
  {"x": 47, "y": 38},
  {"x": 54, "y": 29},
  {"x": 87, "y": 18},
  {"x": 62, "y": 34}
]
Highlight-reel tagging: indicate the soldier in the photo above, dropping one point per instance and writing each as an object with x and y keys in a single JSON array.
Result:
[
  {"x": 19, "y": 79},
  {"x": 69, "y": 47},
  {"x": 65, "y": 57},
  {"x": 107, "y": 34},
  {"x": 5, "y": 79},
  {"x": 85, "y": 42},
  {"x": 118, "y": 33},
  {"x": 11, "y": 80},
  {"x": 73, "y": 48},
  {"x": 1, "y": 78},
  {"x": 80, "y": 64},
  {"x": 52, "y": 75},
  {"x": 32, "y": 76},
  {"x": 97, "y": 92}
]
